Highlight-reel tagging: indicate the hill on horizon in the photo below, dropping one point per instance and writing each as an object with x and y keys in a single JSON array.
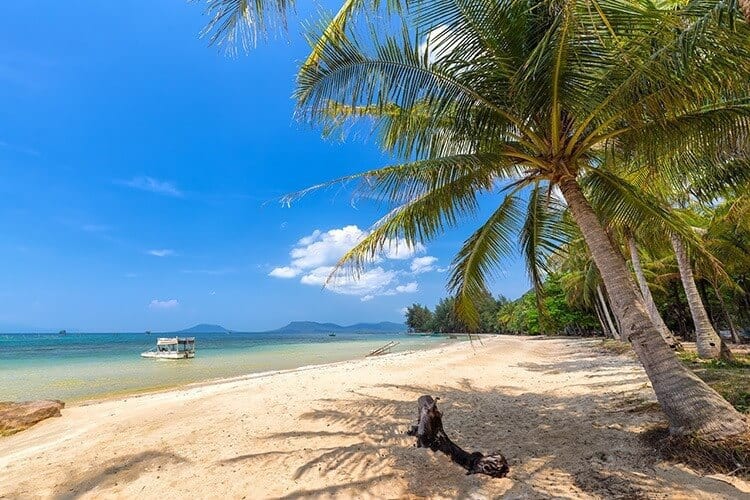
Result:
[
  {"x": 314, "y": 326},
  {"x": 204, "y": 328}
]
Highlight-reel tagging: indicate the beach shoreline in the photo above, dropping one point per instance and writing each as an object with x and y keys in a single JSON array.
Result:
[
  {"x": 128, "y": 394},
  {"x": 567, "y": 417}
]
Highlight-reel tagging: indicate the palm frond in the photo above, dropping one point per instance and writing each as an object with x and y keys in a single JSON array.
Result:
[{"x": 481, "y": 255}]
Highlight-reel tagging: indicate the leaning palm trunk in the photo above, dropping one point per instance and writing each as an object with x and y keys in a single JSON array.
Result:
[
  {"x": 707, "y": 341},
  {"x": 605, "y": 309},
  {"x": 648, "y": 299},
  {"x": 605, "y": 329},
  {"x": 730, "y": 323},
  {"x": 690, "y": 405}
]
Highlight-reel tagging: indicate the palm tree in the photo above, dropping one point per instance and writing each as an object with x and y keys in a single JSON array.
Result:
[
  {"x": 541, "y": 93},
  {"x": 707, "y": 340},
  {"x": 531, "y": 100},
  {"x": 648, "y": 299},
  {"x": 727, "y": 236}
]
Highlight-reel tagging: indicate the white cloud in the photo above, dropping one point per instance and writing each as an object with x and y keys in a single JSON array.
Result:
[
  {"x": 309, "y": 239},
  {"x": 440, "y": 43},
  {"x": 423, "y": 264},
  {"x": 400, "y": 250},
  {"x": 408, "y": 288},
  {"x": 403, "y": 310},
  {"x": 145, "y": 183},
  {"x": 321, "y": 249},
  {"x": 161, "y": 252},
  {"x": 163, "y": 304},
  {"x": 314, "y": 257},
  {"x": 284, "y": 272},
  {"x": 371, "y": 282}
]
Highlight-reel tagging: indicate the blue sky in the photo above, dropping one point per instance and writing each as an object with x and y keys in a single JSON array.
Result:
[{"x": 139, "y": 169}]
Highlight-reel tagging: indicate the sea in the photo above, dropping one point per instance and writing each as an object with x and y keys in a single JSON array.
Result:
[{"x": 78, "y": 367}]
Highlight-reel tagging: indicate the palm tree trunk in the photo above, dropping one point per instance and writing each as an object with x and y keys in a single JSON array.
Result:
[
  {"x": 605, "y": 329},
  {"x": 691, "y": 406},
  {"x": 707, "y": 340},
  {"x": 745, "y": 6},
  {"x": 648, "y": 299},
  {"x": 730, "y": 323},
  {"x": 615, "y": 332}
]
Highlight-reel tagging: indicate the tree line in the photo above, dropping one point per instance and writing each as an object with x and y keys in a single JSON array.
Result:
[{"x": 522, "y": 316}]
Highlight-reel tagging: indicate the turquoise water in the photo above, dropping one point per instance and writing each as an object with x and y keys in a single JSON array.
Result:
[{"x": 84, "y": 366}]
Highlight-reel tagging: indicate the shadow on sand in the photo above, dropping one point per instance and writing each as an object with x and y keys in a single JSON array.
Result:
[
  {"x": 584, "y": 445},
  {"x": 124, "y": 469}
]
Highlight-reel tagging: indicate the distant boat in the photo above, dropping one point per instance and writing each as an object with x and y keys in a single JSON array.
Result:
[
  {"x": 172, "y": 348},
  {"x": 62, "y": 332},
  {"x": 148, "y": 332},
  {"x": 331, "y": 334}
]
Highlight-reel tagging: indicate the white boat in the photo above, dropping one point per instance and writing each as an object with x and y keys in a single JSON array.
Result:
[{"x": 172, "y": 348}]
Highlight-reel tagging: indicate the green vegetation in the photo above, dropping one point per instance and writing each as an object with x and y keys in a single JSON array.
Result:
[
  {"x": 730, "y": 379},
  {"x": 445, "y": 319},
  {"x": 588, "y": 124}
]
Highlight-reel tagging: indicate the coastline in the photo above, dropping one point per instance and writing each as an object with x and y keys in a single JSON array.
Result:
[
  {"x": 129, "y": 394},
  {"x": 565, "y": 415},
  {"x": 91, "y": 367}
]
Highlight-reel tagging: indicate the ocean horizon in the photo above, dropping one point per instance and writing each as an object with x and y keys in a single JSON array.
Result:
[{"x": 77, "y": 367}]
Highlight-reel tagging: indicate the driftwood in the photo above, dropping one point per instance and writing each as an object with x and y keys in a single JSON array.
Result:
[
  {"x": 430, "y": 434},
  {"x": 383, "y": 349}
]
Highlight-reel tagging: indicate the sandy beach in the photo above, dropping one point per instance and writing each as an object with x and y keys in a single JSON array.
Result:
[{"x": 565, "y": 415}]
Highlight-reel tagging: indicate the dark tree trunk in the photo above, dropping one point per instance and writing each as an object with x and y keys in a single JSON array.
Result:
[{"x": 430, "y": 434}]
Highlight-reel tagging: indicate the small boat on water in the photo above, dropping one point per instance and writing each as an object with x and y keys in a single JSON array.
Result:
[
  {"x": 62, "y": 332},
  {"x": 172, "y": 348},
  {"x": 331, "y": 334}
]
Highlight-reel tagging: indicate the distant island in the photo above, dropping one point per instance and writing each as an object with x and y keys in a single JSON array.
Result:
[
  {"x": 204, "y": 328},
  {"x": 309, "y": 327},
  {"x": 313, "y": 326}
]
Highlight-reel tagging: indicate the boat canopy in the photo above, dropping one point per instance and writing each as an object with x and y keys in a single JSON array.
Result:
[{"x": 175, "y": 341}]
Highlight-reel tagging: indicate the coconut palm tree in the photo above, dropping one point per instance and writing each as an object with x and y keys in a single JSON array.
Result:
[
  {"x": 539, "y": 94},
  {"x": 581, "y": 283},
  {"x": 648, "y": 299},
  {"x": 527, "y": 101},
  {"x": 707, "y": 340}
]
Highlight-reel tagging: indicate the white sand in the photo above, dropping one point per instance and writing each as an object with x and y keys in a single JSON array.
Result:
[{"x": 561, "y": 412}]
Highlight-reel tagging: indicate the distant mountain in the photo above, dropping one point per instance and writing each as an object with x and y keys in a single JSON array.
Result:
[
  {"x": 204, "y": 328},
  {"x": 313, "y": 327}
]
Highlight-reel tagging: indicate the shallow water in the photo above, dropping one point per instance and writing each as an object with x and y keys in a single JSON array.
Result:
[{"x": 81, "y": 366}]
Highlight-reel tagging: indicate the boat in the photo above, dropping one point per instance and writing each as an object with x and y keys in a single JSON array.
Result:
[
  {"x": 172, "y": 348},
  {"x": 148, "y": 332},
  {"x": 62, "y": 332},
  {"x": 331, "y": 334}
]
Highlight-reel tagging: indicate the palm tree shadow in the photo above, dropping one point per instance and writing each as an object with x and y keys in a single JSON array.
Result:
[
  {"x": 122, "y": 469},
  {"x": 585, "y": 444}
]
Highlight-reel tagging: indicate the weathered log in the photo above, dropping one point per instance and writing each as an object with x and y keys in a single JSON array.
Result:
[
  {"x": 15, "y": 417},
  {"x": 430, "y": 434}
]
